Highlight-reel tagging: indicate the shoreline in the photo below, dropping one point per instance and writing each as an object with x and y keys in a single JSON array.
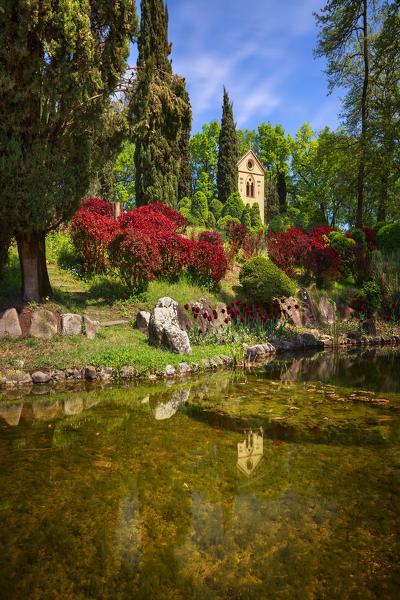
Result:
[{"x": 47, "y": 378}]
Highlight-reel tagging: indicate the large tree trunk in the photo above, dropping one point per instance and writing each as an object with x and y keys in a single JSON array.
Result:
[
  {"x": 282, "y": 192},
  {"x": 32, "y": 258},
  {"x": 361, "y": 166}
]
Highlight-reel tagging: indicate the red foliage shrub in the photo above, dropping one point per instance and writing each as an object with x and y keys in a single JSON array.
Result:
[
  {"x": 211, "y": 236},
  {"x": 370, "y": 237},
  {"x": 91, "y": 232},
  {"x": 208, "y": 263},
  {"x": 97, "y": 205},
  {"x": 287, "y": 249},
  {"x": 253, "y": 244},
  {"x": 134, "y": 255},
  {"x": 236, "y": 233},
  {"x": 173, "y": 215},
  {"x": 295, "y": 249},
  {"x": 174, "y": 251}
]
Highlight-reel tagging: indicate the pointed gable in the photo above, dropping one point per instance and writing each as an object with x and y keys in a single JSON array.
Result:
[{"x": 250, "y": 163}]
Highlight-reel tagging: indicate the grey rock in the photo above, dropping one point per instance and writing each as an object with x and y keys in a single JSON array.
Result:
[
  {"x": 73, "y": 374},
  {"x": 91, "y": 327},
  {"x": 169, "y": 370},
  {"x": 369, "y": 326},
  {"x": 71, "y": 324},
  {"x": 293, "y": 313},
  {"x": 57, "y": 375},
  {"x": 228, "y": 360},
  {"x": 219, "y": 361},
  {"x": 44, "y": 324},
  {"x": 142, "y": 321},
  {"x": 17, "y": 377},
  {"x": 90, "y": 373},
  {"x": 9, "y": 323},
  {"x": 106, "y": 373},
  {"x": 41, "y": 377},
  {"x": 327, "y": 310},
  {"x": 164, "y": 327},
  {"x": 128, "y": 372},
  {"x": 309, "y": 315},
  {"x": 184, "y": 368},
  {"x": 213, "y": 363},
  {"x": 206, "y": 363}
]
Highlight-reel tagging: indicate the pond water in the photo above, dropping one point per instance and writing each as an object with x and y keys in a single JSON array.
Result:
[{"x": 279, "y": 483}]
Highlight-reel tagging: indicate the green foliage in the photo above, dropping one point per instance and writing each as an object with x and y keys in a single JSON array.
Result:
[
  {"x": 370, "y": 296},
  {"x": 234, "y": 206},
  {"x": 256, "y": 221},
  {"x": 246, "y": 216},
  {"x": 388, "y": 238},
  {"x": 211, "y": 221},
  {"x": 222, "y": 223},
  {"x": 124, "y": 175},
  {"x": 358, "y": 236},
  {"x": 227, "y": 176},
  {"x": 377, "y": 226},
  {"x": 215, "y": 206},
  {"x": 204, "y": 158},
  {"x": 262, "y": 280},
  {"x": 341, "y": 245},
  {"x": 199, "y": 207},
  {"x": 160, "y": 115},
  {"x": 185, "y": 203}
]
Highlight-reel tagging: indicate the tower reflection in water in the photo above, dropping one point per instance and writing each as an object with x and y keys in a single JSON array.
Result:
[{"x": 250, "y": 451}]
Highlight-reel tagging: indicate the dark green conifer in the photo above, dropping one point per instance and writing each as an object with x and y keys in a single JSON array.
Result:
[
  {"x": 160, "y": 114},
  {"x": 227, "y": 176}
]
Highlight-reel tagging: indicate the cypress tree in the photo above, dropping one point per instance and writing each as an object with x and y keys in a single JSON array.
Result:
[
  {"x": 160, "y": 115},
  {"x": 59, "y": 64},
  {"x": 227, "y": 176}
]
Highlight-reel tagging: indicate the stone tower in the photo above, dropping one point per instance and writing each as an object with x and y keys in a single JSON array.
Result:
[{"x": 251, "y": 176}]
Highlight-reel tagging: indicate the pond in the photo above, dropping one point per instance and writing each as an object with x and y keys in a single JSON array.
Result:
[{"x": 278, "y": 483}]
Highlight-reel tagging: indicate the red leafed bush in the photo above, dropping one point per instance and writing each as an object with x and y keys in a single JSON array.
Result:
[
  {"x": 211, "y": 236},
  {"x": 286, "y": 249},
  {"x": 97, "y": 205},
  {"x": 236, "y": 233},
  {"x": 370, "y": 237},
  {"x": 173, "y": 215},
  {"x": 208, "y": 263},
  {"x": 91, "y": 232},
  {"x": 134, "y": 255},
  {"x": 174, "y": 251}
]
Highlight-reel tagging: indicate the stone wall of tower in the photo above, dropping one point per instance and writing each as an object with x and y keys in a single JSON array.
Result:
[{"x": 250, "y": 171}]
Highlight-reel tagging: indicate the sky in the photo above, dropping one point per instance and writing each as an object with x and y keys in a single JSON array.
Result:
[{"x": 261, "y": 51}]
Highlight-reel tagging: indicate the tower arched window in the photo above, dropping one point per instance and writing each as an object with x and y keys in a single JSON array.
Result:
[{"x": 250, "y": 187}]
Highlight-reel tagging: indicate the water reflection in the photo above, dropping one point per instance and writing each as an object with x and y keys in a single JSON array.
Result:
[{"x": 251, "y": 451}]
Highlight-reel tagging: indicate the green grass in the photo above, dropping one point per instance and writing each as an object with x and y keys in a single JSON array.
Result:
[{"x": 113, "y": 347}]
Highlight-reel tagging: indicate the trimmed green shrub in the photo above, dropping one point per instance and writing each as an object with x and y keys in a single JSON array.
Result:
[
  {"x": 370, "y": 297},
  {"x": 246, "y": 217},
  {"x": 199, "y": 207},
  {"x": 211, "y": 222},
  {"x": 234, "y": 206},
  {"x": 262, "y": 280},
  {"x": 378, "y": 226},
  {"x": 215, "y": 206},
  {"x": 256, "y": 221},
  {"x": 359, "y": 237},
  {"x": 223, "y": 222},
  {"x": 341, "y": 244},
  {"x": 185, "y": 203},
  {"x": 388, "y": 238}
]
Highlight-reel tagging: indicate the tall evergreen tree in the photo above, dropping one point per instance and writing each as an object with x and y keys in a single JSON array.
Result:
[
  {"x": 160, "y": 114},
  {"x": 345, "y": 40},
  {"x": 227, "y": 175},
  {"x": 59, "y": 63}
]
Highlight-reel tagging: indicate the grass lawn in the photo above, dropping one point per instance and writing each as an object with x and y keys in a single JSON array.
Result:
[{"x": 106, "y": 300}]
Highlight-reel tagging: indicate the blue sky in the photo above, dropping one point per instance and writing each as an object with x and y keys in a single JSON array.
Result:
[{"x": 263, "y": 55}]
